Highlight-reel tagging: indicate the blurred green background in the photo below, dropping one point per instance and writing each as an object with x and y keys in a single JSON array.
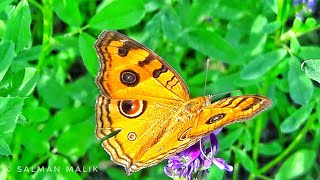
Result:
[{"x": 48, "y": 65}]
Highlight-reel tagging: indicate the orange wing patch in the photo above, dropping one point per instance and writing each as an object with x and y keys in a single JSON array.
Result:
[{"x": 124, "y": 60}]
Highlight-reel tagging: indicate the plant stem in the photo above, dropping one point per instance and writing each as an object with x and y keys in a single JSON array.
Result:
[
  {"x": 263, "y": 177},
  {"x": 291, "y": 147},
  {"x": 235, "y": 173},
  {"x": 15, "y": 154},
  {"x": 77, "y": 31},
  {"x": 36, "y": 4},
  {"x": 256, "y": 139},
  {"x": 40, "y": 161},
  {"x": 287, "y": 36},
  {"x": 47, "y": 33}
]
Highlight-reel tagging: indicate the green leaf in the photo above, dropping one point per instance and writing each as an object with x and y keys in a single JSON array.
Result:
[
  {"x": 4, "y": 148},
  {"x": 36, "y": 114},
  {"x": 283, "y": 10},
  {"x": 6, "y": 56},
  {"x": 68, "y": 11},
  {"x": 297, "y": 165},
  {"x": 297, "y": 23},
  {"x": 309, "y": 52},
  {"x": 118, "y": 14},
  {"x": 68, "y": 143},
  {"x": 221, "y": 84},
  {"x": 272, "y": 5},
  {"x": 66, "y": 117},
  {"x": 88, "y": 53},
  {"x": 58, "y": 168},
  {"x": 83, "y": 89},
  {"x": 29, "y": 54},
  {"x": 296, "y": 119},
  {"x": 11, "y": 83},
  {"x": 247, "y": 139},
  {"x": 271, "y": 27},
  {"x": 20, "y": 83},
  {"x": 34, "y": 141},
  {"x": 152, "y": 32},
  {"x": 62, "y": 43},
  {"x": 4, "y": 4},
  {"x": 152, "y": 5},
  {"x": 300, "y": 86},
  {"x": 66, "y": 171},
  {"x": 52, "y": 92},
  {"x": 171, "y": 25},
  {"x": 310, "y": 23},
  {"x": 318, "y": 112},
  {"x": 22, "y": 119},
  {"x": 18, "y": 27},
  {"x": 30, "y": 79},
  {"x": 227, "y": 141},
  {"x": 312, "y": 69},
  {"x": 10, "y": 108},
  {"x": 294, "y": 45},
  {"x": 257, "y": 37},
  {"x": 262, "y": 64},
  {"x": 216, "y": 173},
  {"x": 116, "y": 173},
  {"x": 211, "y": 44},
  {"x": 45, "y": 174},
  {"x": 270, "y": 149},
  {"x": 244, "y": 159},
  {"x": 222, "y": 10}
]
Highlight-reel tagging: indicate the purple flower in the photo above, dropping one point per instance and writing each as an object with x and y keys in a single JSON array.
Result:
[
  {"x": 304, "y": 7},
  {"x": 192, "y": 163}
]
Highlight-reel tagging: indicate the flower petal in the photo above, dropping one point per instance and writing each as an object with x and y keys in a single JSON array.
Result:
[
  {"x": 194, "y": 152},
  {"x": 220, "y": 163},
  {"x": 217, "y": 131},
  {"x": 168, "y": 171},
  {"x": 197, "y": 164},
  {"x": 214, "y": 143},
  {"x": 207, "y": 164}
]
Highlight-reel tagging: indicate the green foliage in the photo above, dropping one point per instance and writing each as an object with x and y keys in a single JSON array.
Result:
[
  {"x": 48, "y": 64},
  {"x": 306, "y": 159},
  {"x": 118, "y": 15},
  {"x": 312, "y": 69}
]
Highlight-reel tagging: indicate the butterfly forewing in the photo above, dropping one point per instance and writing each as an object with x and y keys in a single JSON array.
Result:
[{"x": 129, "y": 70}]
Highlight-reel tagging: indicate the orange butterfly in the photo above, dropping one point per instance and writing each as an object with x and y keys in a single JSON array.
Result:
[{"x": 145, "y": 99}]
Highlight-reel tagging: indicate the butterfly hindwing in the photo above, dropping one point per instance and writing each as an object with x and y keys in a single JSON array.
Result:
[
  {"x": 145, "y": 137},
  {"x": 227, "y": 111}
]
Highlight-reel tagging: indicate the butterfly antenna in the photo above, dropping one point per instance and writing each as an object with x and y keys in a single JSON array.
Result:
[
  {"x": 224, "y": 93},
  {"x": 206, "y": 80}
]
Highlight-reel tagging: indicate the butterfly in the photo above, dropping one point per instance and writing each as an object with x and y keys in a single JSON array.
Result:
[{"x": 148, "y": 104}]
